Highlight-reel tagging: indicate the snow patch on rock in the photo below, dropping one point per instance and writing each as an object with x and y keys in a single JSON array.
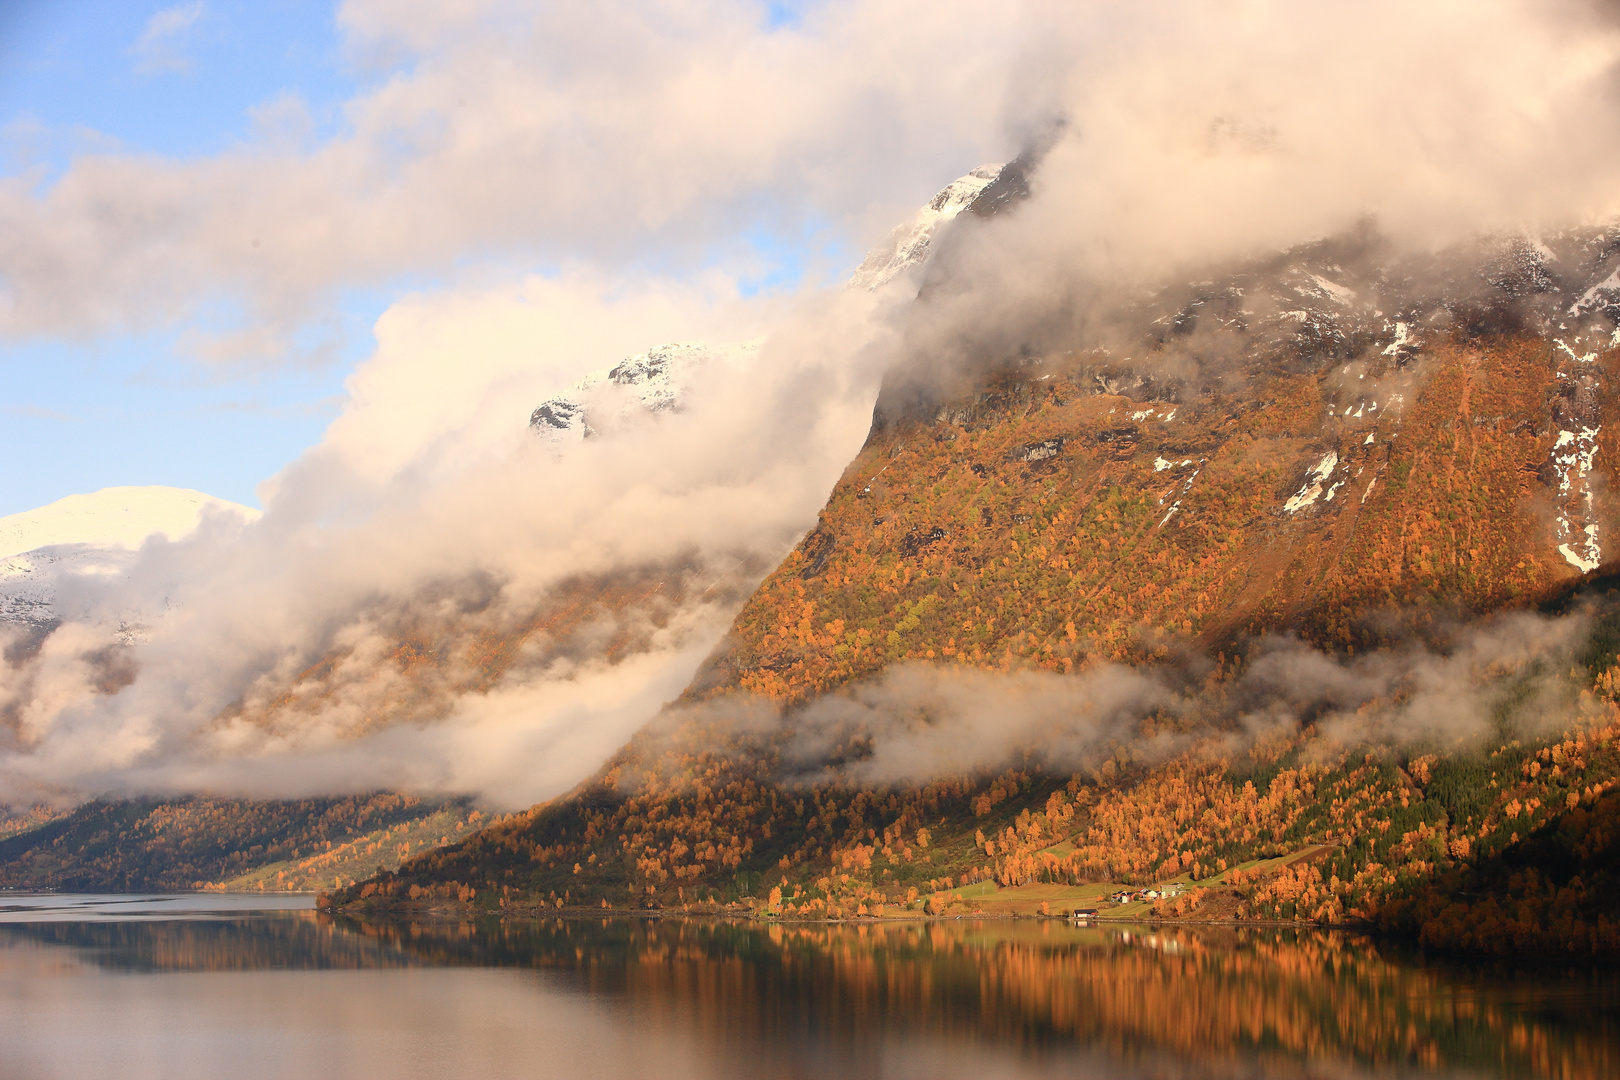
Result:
[
  {"x": 1403, "y": 337},
  {"x": 1576, "y": 526},
  {"x": 908, "y": 245},
  {"x": 649, "y": 382},
  {"x": 1333, "y": 290},
  {"x": 1186, "y": 486},
  {"x": 1315, "y": 484},
  {"x": 1595, "y": 297}
]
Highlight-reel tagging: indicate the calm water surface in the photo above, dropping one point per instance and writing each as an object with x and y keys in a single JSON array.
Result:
[{"x": 209, "y": 987}]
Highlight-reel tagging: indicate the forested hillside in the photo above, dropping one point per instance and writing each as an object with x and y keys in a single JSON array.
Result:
[
  {"x": 1303, "y": 525},
  {"x": 152, "y": 845}
]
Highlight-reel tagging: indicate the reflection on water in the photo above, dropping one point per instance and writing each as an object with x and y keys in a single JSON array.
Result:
[
  {"x": 296, "y": 993},
  {"x": 98, "y": 907}
]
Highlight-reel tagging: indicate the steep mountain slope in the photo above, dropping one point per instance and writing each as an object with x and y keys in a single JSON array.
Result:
[
  {"x": 1050, "y": 525},
  {"x": 1370, "y": 452},
  {"x": 151, "y": 845},
  {"x": 431, "y": 649},
  {"x": 1285, "y": 456}
]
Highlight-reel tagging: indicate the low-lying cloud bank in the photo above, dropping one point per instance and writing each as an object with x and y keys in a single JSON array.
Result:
[
  {"x": 1504, "y": 677},
  {"x": 605, "y": 139},
  {"x": 276, "y": 657}
]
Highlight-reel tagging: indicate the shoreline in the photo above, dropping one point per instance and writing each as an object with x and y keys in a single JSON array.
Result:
[{"x": 409, "y": 909}]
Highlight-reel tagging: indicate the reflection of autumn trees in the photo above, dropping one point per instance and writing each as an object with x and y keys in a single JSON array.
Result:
[
  {"x": 1213, "y": 996},
  {"x": 1200, "y": 995},
  {"x": 1217, "y": 997},
  {"x": 284, "y": 941}
]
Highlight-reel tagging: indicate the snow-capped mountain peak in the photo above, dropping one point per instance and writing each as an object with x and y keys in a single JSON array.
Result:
[
  {"x": 655, "y": 380},
  {"x": 90, "y": 536},
  {"x": 115, "y": 517},
  {"x": 649, "y": 382},
  {"x": 908, "y": 244}
]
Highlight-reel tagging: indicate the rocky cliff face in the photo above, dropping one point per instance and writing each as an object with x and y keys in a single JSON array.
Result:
[
  {"x": 1375, "y": 455},
  {"x": 1329, "y": 445}
]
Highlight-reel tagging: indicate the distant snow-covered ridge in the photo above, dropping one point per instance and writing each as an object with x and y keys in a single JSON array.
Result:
[
  {"x": 122, "y": 517},
  {"x": 90, "y": 537},
  {"x": 656, "y": 380}
]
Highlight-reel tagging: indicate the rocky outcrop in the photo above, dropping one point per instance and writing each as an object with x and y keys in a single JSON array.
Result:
[{"x": 1334, "y": 443}]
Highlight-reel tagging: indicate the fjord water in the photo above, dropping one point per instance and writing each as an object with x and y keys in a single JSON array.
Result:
[{"x": 161, "y": 991}]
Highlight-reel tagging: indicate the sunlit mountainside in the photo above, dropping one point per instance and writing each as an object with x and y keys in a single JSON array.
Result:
[
  {"x": 1297, "y": 454},
  {"x": 238, "y": 845},
  {"x": 1284, "y": 598},
  {"x": 1277, "y": 591}
]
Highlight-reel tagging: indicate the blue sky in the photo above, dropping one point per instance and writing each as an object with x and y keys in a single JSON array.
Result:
[
  {"x": 180, "y": 82},
  {"x": 127, "y": 408}
]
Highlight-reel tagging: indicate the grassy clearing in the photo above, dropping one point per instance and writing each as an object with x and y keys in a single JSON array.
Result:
[{"x": 991, "y": 899}]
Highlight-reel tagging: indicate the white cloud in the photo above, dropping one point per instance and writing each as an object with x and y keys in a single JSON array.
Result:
[
  {"x": 1198, "y": 133},
  {"x": 627, "y": 133},
  {"x": 429, "y": 504},
  {"x": 161, "y": 44},
  {"x": 631, "y": 133},
  {"x": 595, "y": 140}
]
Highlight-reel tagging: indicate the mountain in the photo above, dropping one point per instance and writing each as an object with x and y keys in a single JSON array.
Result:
[
  {"x": 1373, "y": 449},
  {"x": 86, "y": 538},
  {"x": 1283, "y": 597},
  {"x": 656, "y": 380},
  {"x": 71, "y": 547},
  {"x": 1276, "y": 591},
  {"x": 237, "y": 845},
  {"x": 439, "y": 652},
  {"x": 908, "y": 245},
  {"x": 407, "y": 659},
  {"x": 115, "y": 517},
  {"x": 650, "y": 382}
]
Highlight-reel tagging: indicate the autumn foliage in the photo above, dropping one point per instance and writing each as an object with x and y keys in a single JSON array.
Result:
[{"x": 1050, "y": 523}]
